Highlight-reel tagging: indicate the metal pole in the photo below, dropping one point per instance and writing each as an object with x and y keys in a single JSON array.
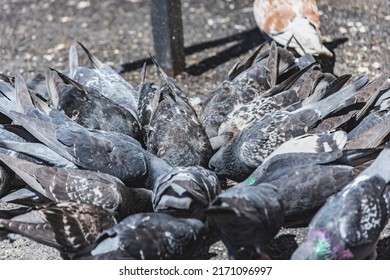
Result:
[{"x": 167, "y": 29}]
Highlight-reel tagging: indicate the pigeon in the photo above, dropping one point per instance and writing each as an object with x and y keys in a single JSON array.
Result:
[
  {"x": 36, "y": 152},
  {"x": 107, "y": 152},
  {"x": 239, "y": 158},
  {"x": 373, "y": 130},
  {"x": 147, "y": 236},
  {"x": 66, "y": 226},
  {"x": 305, "y": 181},
  {"x": 351, "y": 115},
  {"x": 300, "y": 169},
  {"x": 8, "y": 180},
  {"x": 175, "y": 133},
  {"x": 90, "y": 108},
  {"x": 242, "y": 117},
  {"x": 185, "y": 192},
  {"x": 103, "y": 79},
  {"x": 246, "y": 81},
  {"x": 246, "y": 217},
  {"x": 291, "y": 23},
  {"x": 26, "y": 196},
  {"x": 147, "y": 105},
  {"x": 82, "y": 186},
  {"x": 349, "y": 225},
  {"x": 310, "y": 82}
]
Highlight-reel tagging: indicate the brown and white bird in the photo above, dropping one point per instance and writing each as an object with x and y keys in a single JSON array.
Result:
[{"x": 292, "y": 23}]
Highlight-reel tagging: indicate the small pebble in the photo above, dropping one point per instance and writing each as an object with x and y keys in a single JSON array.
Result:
[
  {"x": 83, "y": 5},
  {"x": 376, "y": 65},
  {"x": 343, "y": 30},
  {"x": 48, "y": 57},
  {"x": 362, "y": 29},
  {"x": 362, "y": 69}
]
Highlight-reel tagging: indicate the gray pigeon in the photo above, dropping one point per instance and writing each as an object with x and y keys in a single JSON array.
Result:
[
  {"x": 270, "y": 72},
  {"x": 8, "y": 141},
  {"x": 349, "y": 225},
  {"x": 82, "y": 186},
  {"x": 185, "y": 192},
  {"x": 307, "y": 170},
  {"x": 234, "y": 91},
  {"x": 89, "y": 108},
  {"x": 246, "y": 217},
  {"x": 104, "y": 80},
  {"x": 243, "y": 116},
  {"x": 361, "y": 102},
  {"x": 66, "y": 226},
  {"x": 373, "y": 130},
  {"x": 147, "y": 236},
  {"x": 174, "y": 132},
  {"x": 107, "y": 152},
  {"x": 240, "y": 157}
]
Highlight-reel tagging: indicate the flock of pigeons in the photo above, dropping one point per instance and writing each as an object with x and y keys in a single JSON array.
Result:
[{"x": 100, "y": 170}]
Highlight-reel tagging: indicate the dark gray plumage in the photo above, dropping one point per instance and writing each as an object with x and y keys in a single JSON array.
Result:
[
  {"x": 82, "y": 186},
  {"x": 185, "y": 192},
  {"x": 240, "y": 157},
  {"x": 371, "y": 132},
  {"x": 374, "y": 126},
  {"x": 246, "y": 217},
  {"x": 147, "y": 105},
  {"x": 305, "y": 180},
  {"x": 318, "y": 148},
  {"x": 36, "y": 152},
  {"x": 104, "y": 80},
  {"x": 8, "y": 180},
  {"x": 349, "y": 225},
  {"x": 176, "y": 135},
  {"x": 174, "y": 132},
  {"x": 361, "y": 102},
  {"x": 261, "y": 75},
  {"x": 107, "y": 152},
  {"x": 90, "y": 108},
  {"x": 246, "y": 81},
  {"x": 65, "y": 226},
  {"x": 243, "y": 116},
  {"x": 147, "y": 236}
]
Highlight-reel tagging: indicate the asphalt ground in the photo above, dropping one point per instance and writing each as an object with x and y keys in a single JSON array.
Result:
[{"x": 36, "y": 34}]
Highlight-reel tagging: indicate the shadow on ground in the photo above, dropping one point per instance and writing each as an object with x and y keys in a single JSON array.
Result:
[{"x": 245, "y": 41}]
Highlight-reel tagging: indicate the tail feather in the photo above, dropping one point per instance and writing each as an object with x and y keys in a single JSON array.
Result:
[
  {"x": 73, "y": 60},
  {"x": 338, "y": 100},
  {"x": 96, "y": 62},
  {"x": 23, "y": 99},
  {"x": 39, "y": 151},
  {"x": 381, "y": 165},
  {"x": 24, "y": 170}
]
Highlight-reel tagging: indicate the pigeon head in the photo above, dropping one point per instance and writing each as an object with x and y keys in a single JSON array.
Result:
[
  {"x": 237, "y": 160},
  {"x": 225, "y": 163},
  {"x": 185, "y": 192},
  {"x": 322, "y": 246}
]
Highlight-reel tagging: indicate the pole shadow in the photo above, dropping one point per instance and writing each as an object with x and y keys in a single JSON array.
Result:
[{"x": 246, "y": 41}]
